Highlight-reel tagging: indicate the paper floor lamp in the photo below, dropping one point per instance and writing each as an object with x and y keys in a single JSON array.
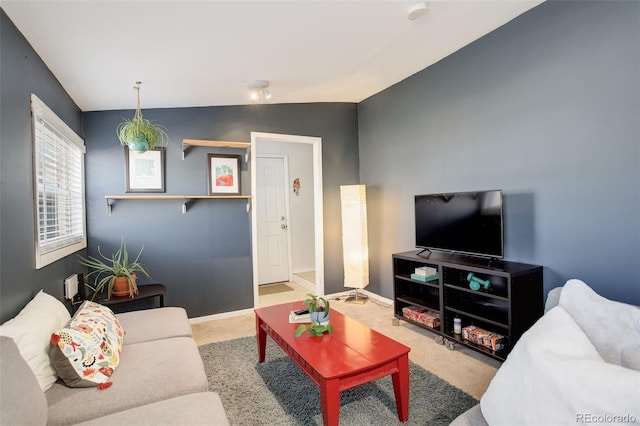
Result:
[{"x": 355, "y": 246}]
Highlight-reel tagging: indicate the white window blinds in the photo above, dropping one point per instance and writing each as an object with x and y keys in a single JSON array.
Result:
[{"x": 58, "y": 165}]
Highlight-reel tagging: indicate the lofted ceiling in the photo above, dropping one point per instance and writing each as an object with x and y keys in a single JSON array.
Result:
[{"x": 205, "y": 53}]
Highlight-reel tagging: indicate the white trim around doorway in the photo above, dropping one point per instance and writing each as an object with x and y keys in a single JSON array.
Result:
[{"x": 256, "y": 138}]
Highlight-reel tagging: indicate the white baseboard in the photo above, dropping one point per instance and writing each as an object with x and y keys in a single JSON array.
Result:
[
  {"x": 232, "y": 314},
  {"x": 371, "y": 295},
  {"x": 220, "y": 316},
  {"x": 304, "y": 283}
]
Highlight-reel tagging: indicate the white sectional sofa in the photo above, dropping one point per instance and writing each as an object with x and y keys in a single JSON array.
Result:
[
  {"x": 578, "y": 364},
  {"x": 160, "y": 378}
]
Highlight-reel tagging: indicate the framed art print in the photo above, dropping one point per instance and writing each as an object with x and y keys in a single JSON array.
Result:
[
  {"x": 145, "y": 170},
  {"x": 224, "y": 174}
]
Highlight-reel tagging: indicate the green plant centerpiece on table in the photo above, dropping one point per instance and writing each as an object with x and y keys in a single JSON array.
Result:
[
  {"x": 140, "y": 134},
  {"x": 319, "y": 310},
  {"x": 116, "y": 273}
]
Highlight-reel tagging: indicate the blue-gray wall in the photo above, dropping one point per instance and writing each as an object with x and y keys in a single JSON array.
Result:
[
  {"x": 22, "y": 72},
  {"x": 204, "y": 256},
  {"x": 545, "y": 108}
]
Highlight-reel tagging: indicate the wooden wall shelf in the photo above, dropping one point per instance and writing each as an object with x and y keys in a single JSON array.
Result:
[
  {"x": 187, "y": 143},
  {"x": 186, "y": 199}
]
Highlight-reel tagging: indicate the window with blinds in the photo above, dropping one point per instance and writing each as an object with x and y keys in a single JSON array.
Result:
[{"x": 58, "y": 173}]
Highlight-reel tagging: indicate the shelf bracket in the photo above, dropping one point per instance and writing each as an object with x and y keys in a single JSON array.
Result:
[
  {"x": 248, "y": 206},
  {"x": 185, "y": 148},
  {"x": 186, "y": 203},
  {"x": 246, "y": 156},
  {"x": 109, "y": 204}
]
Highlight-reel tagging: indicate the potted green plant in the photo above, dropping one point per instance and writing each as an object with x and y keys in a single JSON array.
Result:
[
  {"x": 319, "y": 310},
  {"x": 114, "y": 272},
  {"x": 140, "y": 134}
]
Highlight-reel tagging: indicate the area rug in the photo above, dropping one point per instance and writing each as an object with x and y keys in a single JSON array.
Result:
[
  {"x": 278, "y": 392},
  {"x": 273, "y": 288}
]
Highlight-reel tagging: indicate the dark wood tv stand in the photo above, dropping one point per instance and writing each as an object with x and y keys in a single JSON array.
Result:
[{"x": 511, "y": 304}]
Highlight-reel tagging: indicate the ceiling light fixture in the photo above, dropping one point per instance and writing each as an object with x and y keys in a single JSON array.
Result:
[
  {"x": 258, "y": 91},
  {"x": 417, "y": 10}
]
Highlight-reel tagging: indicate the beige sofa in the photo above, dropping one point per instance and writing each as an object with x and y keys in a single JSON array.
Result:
[{"x": 160, "y": 379}]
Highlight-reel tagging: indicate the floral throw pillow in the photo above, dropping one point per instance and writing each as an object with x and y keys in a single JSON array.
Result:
[{"x": 87, "y": 351}]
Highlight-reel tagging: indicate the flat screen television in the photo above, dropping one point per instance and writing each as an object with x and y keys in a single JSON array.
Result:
[{"x": 460, "y": 222}]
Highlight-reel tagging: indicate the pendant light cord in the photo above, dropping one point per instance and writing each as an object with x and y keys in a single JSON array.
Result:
[{"x": 138, "y": 114}]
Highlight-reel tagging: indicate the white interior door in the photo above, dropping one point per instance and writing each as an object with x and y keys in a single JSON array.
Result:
[{"x": 272, "y": 221}]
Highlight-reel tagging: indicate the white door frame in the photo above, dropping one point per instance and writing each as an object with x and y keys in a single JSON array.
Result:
[
  {"x": 287, "y": 207},
  {"x": 316, "y": 142}
]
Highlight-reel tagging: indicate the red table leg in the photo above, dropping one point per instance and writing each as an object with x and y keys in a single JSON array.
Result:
[
  {"x": 330, "y": 401},
  {"x": 261, "y": 337},
  {"x": 401, "y": 388}
]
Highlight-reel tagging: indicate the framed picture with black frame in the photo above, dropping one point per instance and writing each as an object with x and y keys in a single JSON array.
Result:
[
  {"x": 224, "y": 174},
  {"x": 145, "y": 170}
]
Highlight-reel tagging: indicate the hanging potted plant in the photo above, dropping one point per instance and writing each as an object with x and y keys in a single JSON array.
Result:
[
  {"x": 116, "y": 273},
  {"x": 319, "y": 310},
  {"x": 140, "y": 134}
]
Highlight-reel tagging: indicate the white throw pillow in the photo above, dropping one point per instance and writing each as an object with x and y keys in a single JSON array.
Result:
[
  {"x": 555, "y": 376},
  {"x": 613, "y": 327},
  {"x": 31, "y": 330}
]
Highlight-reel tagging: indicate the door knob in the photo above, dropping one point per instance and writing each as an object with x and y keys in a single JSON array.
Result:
[{"x": 283, "y": 226}]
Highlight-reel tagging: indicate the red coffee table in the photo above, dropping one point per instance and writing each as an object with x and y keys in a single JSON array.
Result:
[{"x": 354, "y": 354}]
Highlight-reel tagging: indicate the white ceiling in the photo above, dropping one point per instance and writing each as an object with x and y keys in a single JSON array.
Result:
[{"x": 205, "y": 53}]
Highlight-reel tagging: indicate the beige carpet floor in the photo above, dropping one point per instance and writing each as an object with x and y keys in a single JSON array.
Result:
[{"x": 462, "y": 367}]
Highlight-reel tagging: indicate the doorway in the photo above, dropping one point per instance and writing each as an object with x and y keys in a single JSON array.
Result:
[{"x": 263, "y": 143}]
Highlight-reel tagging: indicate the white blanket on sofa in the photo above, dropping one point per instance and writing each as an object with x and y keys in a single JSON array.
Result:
[
  {"x": 612, "y": 327},
  {"x": 554, "y": 376}
]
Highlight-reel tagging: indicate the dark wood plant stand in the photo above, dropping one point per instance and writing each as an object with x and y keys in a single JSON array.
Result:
[{"x": 145, "y": 291}]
